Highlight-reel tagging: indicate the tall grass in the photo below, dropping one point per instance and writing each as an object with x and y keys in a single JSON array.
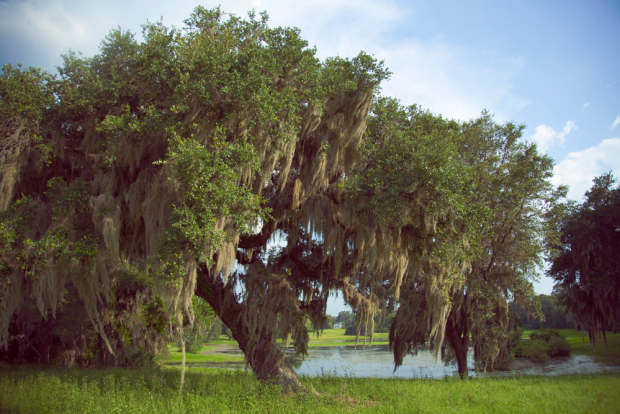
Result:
[{"x": 29, "y": 390}]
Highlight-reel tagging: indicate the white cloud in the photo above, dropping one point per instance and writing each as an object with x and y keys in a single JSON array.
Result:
[
  {"x": 570, "y": 125},
  {"x": 615, "y": 123},
  {"x": 579, "y": 168},
  {"x": 546, "y": 137},
  {"x": 585, "y": 105}
]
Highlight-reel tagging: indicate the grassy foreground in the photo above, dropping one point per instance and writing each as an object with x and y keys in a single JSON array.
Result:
[{"x": 27, "y": 390}]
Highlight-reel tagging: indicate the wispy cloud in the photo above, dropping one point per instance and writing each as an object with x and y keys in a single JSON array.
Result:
[
  {"x": 37, "y": 32},
  {"x": 585, "y": 105},
  {"x": 615, "y": 123},
  {"x": 546, "y": 137},
  {"x": 453, "y": 81},
  {"x": 578, "y": 169}
]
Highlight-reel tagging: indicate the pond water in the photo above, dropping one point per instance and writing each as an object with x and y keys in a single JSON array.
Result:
[{"x": 377, "y": 361}]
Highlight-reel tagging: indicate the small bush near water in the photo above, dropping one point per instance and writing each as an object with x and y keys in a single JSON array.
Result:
[
  {"x": 29, "y": 390},
  {"x": 543, "y": 344}
]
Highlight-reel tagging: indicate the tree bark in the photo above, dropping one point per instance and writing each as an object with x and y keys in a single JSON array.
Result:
[
  {"x": 267, "y": 361},
  {"x": 459, "y": 342}
]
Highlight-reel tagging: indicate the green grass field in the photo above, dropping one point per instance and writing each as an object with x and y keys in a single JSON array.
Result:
[
  {"x": 175, "y": 354},
  {"x": 336, "y": 337},
  {"x": 193, "y": 358},
  {"x": 32, "y": 390}
]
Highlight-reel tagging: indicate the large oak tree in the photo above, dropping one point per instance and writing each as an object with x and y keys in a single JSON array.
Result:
[{"x": 180, "y": 160}]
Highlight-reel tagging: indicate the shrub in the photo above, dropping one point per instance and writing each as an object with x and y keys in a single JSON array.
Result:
[
  {"x": 519, "y": 349},
  {"x": 545, "y": 334},
  {"x": 352, "y": 331},
  {"x": 193, "y": 343},
  {"x": 536, "y": 350},
  {"x": 558, "y": 346},
  {"x": 138, "y": 358},
  {"x": 543, "y": 344}
]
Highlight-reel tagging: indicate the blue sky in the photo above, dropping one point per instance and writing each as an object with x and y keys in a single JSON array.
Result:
[{"x": 552, "y": 65}]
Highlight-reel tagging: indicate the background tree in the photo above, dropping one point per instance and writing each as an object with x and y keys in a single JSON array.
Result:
[
  {"x": 414, "y": 189},
  {"x": 343, "y": 316},
  {"x": 204, "y": 318},
  {"x": 493, "y": 195},
  {"x": 512, "y": 180},
  {"x": 586, "y": 264}
]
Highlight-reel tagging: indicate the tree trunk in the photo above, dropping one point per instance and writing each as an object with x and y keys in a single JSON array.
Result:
[
  {"x": 182, "y": 381},
  {"x": 459, "y": 342},
  {"x": 267, "y": 361},
  {"x": 46, "y": 340}
]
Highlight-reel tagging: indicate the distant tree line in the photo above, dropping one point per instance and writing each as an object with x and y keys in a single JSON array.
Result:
[{"x": 555, "y": 315}]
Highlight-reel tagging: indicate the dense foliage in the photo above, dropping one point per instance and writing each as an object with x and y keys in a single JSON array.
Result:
[
  {"x": 586, "y": 259},
  {"x": 500, "y": 199}
]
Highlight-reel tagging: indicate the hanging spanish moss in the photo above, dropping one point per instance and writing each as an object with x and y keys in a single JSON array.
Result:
[{"x": 224, "y": 160}]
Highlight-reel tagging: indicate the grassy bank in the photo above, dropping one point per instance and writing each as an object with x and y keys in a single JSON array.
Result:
[{"x": 207, "y": 391}]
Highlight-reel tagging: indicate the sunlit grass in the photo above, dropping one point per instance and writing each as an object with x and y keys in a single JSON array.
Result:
[
  {"x": 193, "y": 358},
  {"x": 176, "y": 356},
  {"x": 329, "y": 337},
  {"x": 27, "y": 390},
  {"x": 332, "y": 335}
]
